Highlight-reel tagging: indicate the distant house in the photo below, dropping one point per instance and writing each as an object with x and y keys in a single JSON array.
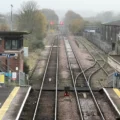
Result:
[{"x": 92, "y": 29}]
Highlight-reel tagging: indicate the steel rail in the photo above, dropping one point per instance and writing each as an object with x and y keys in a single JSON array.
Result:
[
  {"x": 102, "y": 67},
  {"x": 84, "y": 71},
  {"x": 90, "y": 77},
  {"x": 73, "y": 81},
  {"x": 41, "y": 88},
  {"x": 56, "y": 91},
  {"x": 93, "y": 96},
  {"x": 102, "y": 58}
]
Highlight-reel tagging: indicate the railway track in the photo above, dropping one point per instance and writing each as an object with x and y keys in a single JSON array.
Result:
[
  {"x": 84, "y": 81},
  {"x": 42, "y": 110},
  {"x": 100, "y": 62},
  {"x": 106, "y": 67},
  {"x": 45, "y": 105},
  {"x": 33, "y": 70},
  {"x": 96, "y": 67}
]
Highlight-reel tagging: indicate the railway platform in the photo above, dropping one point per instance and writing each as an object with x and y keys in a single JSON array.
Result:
[
  {"x": 114, "y": 61},
  {"x": 113, "y": 94},
  {"x": 12, "y": 100}
]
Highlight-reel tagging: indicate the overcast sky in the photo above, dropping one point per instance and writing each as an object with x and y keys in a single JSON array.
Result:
[{"x": 76, "y": 5}]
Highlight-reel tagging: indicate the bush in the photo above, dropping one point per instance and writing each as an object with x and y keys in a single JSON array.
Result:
[
  {"x": 26, "y": 67},
  {"x": 37, "y": 44}
]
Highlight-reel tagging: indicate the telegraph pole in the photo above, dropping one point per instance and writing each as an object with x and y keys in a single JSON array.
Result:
[{"x": 11, "y": 18}]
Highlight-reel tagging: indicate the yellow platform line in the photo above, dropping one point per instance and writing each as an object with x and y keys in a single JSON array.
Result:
[
  {"x": 7, "y": 103},
  {"x": 117, "y": 91}
]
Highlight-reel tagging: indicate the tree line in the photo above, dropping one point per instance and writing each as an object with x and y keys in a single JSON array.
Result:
[
  {"x": 37, "y": 21},
  {"x": 74, "y": 22},
  {"x": 32, "y": 19}
]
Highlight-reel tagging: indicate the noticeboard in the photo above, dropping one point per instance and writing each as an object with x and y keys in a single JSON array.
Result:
[
  {"x": 2, "y": 78},
  {"x": 14, "y": 75},
  {"x": 26, "y": 51}
]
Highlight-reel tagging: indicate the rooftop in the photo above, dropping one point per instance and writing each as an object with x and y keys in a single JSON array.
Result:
[
  {"x": 113, "y": 23},
  {"x": 12, "y": 33}
]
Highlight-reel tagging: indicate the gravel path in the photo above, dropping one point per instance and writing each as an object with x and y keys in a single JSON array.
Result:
[
  {"x": 67, "y": 107},
  {"x": 64, "y": 73},
  {"x": 82, "y": 54}
]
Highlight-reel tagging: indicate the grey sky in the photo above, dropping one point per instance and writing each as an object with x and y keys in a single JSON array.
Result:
[{"x": 77, "y": 5}]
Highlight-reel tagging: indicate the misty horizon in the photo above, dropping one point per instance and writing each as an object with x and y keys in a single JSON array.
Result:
[{"x": 83, "y": 7}]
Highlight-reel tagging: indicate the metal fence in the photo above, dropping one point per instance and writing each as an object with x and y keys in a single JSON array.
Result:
[
  {"x": 113, "y": 81},
  {"x": 96, "y": 39},
  {"x": 13, "y": 78},
  {"x": 22, "y": 81}
]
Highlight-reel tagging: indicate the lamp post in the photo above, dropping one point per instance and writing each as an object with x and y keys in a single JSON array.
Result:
[{"x": 11, "y": 18}]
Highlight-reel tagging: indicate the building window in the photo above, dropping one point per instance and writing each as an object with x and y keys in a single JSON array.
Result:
[
  {"x": 8, "y": 44},
  {"x": 13, "y": 44},
  {"x": 0, "y": 42},
  {"x": 20, "y": 44}
]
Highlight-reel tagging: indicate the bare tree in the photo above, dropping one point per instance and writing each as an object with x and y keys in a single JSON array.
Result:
[{"x": 32, "y": 20}]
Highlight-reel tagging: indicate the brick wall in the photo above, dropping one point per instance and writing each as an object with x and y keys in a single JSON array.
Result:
[
  {"x": 12, "y": 60},
  {"x": 13, "y": 63},
  {"x": 2, "y": 46}
]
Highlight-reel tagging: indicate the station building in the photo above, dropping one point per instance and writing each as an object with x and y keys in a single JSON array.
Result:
[
  {"x": 11, "y": 51},
  {"x": 110, "y": 31}
]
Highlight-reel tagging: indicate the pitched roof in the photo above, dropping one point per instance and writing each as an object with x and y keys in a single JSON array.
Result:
[{"x": 113, "y": 23}]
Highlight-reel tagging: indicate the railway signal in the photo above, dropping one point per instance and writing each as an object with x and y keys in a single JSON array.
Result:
[
  {"x": 51, "y": 23},
  {"x": 61, "y": 23},
  {"x": 67, "y": 89}
]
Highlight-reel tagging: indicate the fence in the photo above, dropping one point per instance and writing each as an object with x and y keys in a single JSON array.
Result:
[
  {"x": 96, "y": 39},
  {"x": 113, "y": 81},
  {"x": 22, "y": 81}
]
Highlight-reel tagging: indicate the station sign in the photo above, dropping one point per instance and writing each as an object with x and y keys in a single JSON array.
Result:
[
  {"x": 7, "y": 55},
  {"x": 8, "y": 74}
]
